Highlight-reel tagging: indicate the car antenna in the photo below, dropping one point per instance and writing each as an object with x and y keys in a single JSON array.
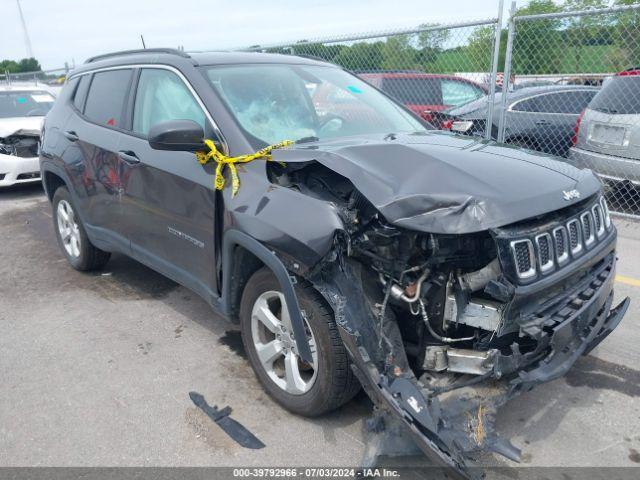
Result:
[{"x": 143, "y": 45}]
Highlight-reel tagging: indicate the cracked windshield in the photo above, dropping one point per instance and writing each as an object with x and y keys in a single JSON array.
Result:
[{"x": 291, "y": 102}]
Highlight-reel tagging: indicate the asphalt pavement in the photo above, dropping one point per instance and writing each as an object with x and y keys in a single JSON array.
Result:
[{"x": 96, "y": 370}]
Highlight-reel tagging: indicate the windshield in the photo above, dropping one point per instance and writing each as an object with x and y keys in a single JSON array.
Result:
[
  {"x": 297, "y": 102},
  {"x": 25, "y": 103}
]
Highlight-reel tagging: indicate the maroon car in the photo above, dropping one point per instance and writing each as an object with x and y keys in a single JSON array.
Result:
[{"x": 424, "y": 93}]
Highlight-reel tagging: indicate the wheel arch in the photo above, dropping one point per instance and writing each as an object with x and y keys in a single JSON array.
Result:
[
  {"x": 51, "y": 181},
  {"x": 238, "y": 248}
]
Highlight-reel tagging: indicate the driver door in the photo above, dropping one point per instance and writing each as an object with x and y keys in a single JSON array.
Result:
[{"x": 169, "y": 201}]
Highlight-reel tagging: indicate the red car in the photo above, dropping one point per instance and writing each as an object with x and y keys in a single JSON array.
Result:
[{"x": 424, "y": 93}]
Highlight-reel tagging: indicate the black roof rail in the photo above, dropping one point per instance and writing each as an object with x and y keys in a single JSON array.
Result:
[{"x": 171, "y": 51}]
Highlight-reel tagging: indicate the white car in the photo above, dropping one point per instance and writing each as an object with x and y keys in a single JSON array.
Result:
[{"x": 22, "y": 110}]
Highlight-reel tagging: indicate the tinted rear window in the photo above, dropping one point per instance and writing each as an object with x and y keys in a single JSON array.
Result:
[
  {"x": 106, "y": 97},
  {"x": 414, "y": 91},
  {"x": 620, "y": 95},
  {"x": 569, "y": 102}
]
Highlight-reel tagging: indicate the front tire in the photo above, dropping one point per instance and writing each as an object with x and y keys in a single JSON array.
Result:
[
  {"x": 72, "y": 237},
  {"x": 308, "y": 390}
]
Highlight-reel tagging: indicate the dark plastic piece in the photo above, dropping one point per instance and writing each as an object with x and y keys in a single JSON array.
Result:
[
  {"x": 177, "y": 135},
  {"x": 235, "y": 237},
  {"x": 235, "y": 430}
]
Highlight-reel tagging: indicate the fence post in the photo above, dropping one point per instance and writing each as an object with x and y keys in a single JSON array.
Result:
[
  {"x": 494, "y": 71},
  {"x": 507, "y": 72}
]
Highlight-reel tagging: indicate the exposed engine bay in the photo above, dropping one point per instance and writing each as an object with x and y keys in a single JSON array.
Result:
[
  {"x": 20, "y": 145},
  {"x": 452, "y": 326}
]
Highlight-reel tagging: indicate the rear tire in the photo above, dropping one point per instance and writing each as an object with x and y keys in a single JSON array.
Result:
[
  {"x": 71, "y": 235},
  {"x": 327, "y": 384}
]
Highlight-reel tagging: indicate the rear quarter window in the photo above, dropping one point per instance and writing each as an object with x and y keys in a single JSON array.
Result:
[
  {"x": 81, "y": 92},
  {"x": 107, "y": 93},
  {"x": 559, "y": 102},
  {"x": 620, "y": 95}
]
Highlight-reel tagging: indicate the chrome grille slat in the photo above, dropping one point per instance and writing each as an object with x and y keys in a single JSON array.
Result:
[
  {"x": 524, "y": 257},
  {"x": 575, "y": 236},
  {"x": 561, "y": 245},
  {"x": 545, "y": 252},
  {"x": 553, "y": 249},
  {"x": 598, "y": 218},
  {"x": 586, "y": 220}
]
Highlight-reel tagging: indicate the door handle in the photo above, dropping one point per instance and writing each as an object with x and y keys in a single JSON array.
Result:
[
  {"x": 128, "y": 157},
  {"x": 71, "y": 135}
]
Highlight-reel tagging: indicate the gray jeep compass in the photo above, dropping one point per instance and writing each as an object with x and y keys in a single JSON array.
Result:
[{"x": 443, "y": 274}]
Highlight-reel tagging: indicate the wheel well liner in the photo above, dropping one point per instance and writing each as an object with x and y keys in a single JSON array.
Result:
[
  {"x": 52, "y": 182},
  {"x": 235, "y": 238}
]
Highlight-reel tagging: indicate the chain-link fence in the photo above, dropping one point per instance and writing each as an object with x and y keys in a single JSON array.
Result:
[
  {"x": 583, "y": 101},
  {"x": 51, "y": 79},
  {"x": 566, "y": 83}
]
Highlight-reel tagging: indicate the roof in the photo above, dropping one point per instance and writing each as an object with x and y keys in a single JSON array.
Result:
[
  {"x": 172, "y": 57},
  {"x": 629, "y": 72},
  {"x": 528, "y": 91},
  {"x": 223, "y": 58}
]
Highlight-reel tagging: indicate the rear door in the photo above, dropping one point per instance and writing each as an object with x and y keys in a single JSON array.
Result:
[
  {"x": 94, "y": 134},
  {"x": 168, "y": 197},
  {"x": 612, "y": 122}
]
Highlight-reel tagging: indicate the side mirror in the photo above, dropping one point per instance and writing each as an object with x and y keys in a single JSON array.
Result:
[{"x": 177, "y": 135}]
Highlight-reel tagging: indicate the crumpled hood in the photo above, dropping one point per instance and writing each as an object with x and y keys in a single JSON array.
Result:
[
  {"x": 442, "y": 183},
  {"x": 20, "y": 126}
]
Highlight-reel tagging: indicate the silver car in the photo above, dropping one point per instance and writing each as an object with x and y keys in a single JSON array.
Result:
[{"x": 607, "y": 139}]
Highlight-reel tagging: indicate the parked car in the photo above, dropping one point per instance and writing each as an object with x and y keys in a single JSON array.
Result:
[
  {"x": 607, "y": 139},
  {"x": 425, "y": 93},
  {"x": 537, "y": 118},
  {"x": 22, "y": 109},
  {"x": 441, "y": 274}
]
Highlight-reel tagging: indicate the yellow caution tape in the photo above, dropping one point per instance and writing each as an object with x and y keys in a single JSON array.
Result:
[{"x": 221, "y": 159}]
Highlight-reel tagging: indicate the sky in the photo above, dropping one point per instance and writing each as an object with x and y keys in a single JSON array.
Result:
[{"x": 73, "y": 30}]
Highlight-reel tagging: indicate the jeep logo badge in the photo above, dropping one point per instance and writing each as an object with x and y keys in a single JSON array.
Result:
[{"x": 570, "y": 194}]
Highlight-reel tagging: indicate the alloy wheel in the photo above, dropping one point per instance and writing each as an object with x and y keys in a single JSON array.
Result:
[
  {"x": 68, "y": 228},
  {"x": 275, "y": 346}
]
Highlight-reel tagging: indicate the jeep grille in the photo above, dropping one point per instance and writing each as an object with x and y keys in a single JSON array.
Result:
[{"x": 561, "y": 243}]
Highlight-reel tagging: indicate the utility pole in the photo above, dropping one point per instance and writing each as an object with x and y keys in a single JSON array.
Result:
[{"x": 27, "y": 42}]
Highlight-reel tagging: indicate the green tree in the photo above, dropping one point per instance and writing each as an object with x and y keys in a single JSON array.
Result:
[
  {"x": 20, "y": 66},
  {"x": 480, "y": 48},
  {"x": 319, "y": 50},
  {"x": 361, "y": 56},
  {"x": 398, "y": 54},
  {"x": 584, "y": 31},
  {"x": 626, "y": 34},
  {"x": 537, "y": 45},
  {"x": 430, "y": 44}
]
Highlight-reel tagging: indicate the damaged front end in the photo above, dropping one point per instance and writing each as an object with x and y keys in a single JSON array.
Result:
[
  {"x": 20, "y": 144},
  {"x": 445, "y": 328}
]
